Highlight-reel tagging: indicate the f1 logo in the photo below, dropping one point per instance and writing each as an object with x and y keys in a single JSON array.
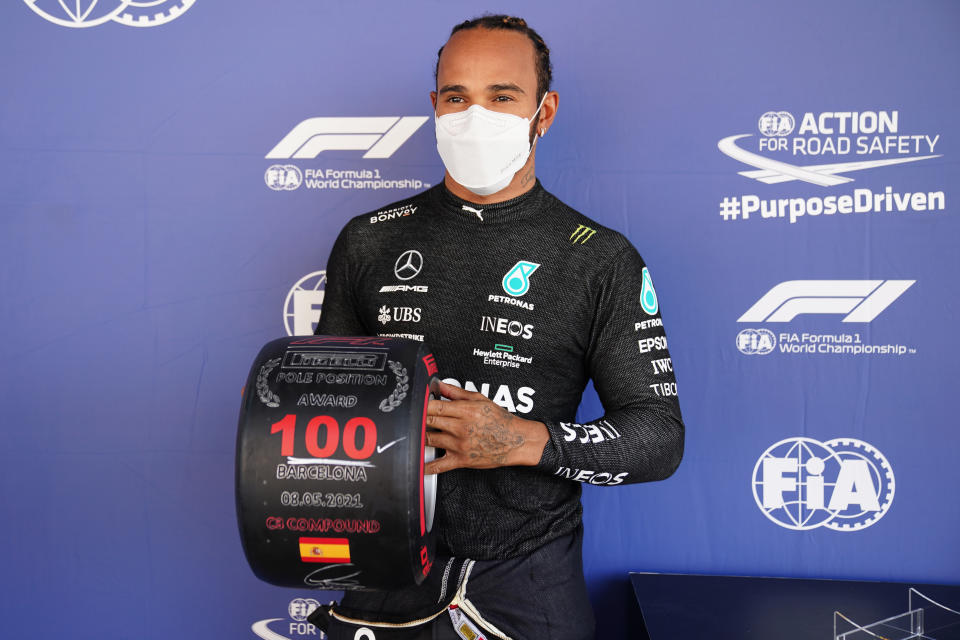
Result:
[
  {"x": 380, "y": 137},
  {"x": 860, "y": 300}
]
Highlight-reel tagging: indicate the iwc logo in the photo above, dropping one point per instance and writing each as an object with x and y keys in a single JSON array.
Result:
[
  {"x": 842, "y": 484},
  {"x": 92, "y": 13}
]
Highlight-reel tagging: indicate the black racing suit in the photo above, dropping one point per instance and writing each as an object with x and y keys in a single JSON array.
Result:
[{"x": 525, "y": 301}]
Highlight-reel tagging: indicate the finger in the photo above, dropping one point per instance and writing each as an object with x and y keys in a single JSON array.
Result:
[
  {"x": 444, "y": 463},
  {"x": 456, "y": 393},
  {"x": 451, "y": 408},
  {"x": 442, "y": 440},
  {"x": 444, "y": 423}
]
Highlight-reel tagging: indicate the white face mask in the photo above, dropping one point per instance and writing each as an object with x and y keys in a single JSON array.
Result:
[{"x": 484, "y": 149}]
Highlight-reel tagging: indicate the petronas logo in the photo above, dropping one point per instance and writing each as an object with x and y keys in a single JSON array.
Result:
[
  {"x": 517, "y": 281},
  {"x": 648, "y": 297},
  {"x": 582, "y": 234}
]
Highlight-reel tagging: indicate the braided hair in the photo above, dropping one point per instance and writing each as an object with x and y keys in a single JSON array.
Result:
[{"x": 512, "y": 23}]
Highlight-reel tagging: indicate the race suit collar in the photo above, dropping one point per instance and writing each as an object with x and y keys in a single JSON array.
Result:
[{"x": 524, "y": 205}]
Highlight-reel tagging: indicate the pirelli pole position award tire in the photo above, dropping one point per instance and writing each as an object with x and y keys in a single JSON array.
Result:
[{"x": 330, "y": 453}]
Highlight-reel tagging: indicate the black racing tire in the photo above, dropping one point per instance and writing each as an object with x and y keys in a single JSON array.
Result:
[{"x": 330, "y": 491}]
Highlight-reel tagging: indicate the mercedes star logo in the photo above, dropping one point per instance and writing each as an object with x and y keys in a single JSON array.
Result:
[{"x": 408, "y": 265}]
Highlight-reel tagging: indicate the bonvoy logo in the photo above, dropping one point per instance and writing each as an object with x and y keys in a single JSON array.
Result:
[{"x": 92, "y": 13}]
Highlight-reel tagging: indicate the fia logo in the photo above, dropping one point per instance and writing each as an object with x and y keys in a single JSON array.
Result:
[
  {"x": 756, "y": 342},
  {"x": 301, "y": 309},
  {"x": 776, "y": 123},
  {"x": 283, "y": 177},
  {"x": 517, "y": 281},
  {"x": 842, "y": 484},
  {"x": 91, "y": 13},
  {"x": 298, "y": 610}
]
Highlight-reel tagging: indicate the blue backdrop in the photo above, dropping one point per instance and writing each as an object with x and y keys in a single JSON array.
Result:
[{"x": 806, "y": 274}]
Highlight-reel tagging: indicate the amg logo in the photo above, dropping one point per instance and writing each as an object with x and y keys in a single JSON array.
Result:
[
  {"x": 402, "y": 288},
  {"x": 338, "y": 360},
  {"x": 581, "y": 234}
]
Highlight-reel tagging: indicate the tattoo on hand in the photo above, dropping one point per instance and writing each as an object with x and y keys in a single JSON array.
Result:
[{"x": 491, "y": 438}]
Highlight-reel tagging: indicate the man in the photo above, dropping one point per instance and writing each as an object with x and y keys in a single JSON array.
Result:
[{"x": 522, "y": 300}]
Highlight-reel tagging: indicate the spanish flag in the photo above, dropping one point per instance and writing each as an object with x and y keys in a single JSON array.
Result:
[{"x": 324, "y": 550}]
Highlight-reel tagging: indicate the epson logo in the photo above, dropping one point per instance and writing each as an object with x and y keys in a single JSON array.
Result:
[
  {"x": 380, "y": 137},
  {"x": 506, "y": 327},
  {"x": 856, "y": 300}
]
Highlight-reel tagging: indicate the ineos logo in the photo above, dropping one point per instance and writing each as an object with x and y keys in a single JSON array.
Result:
[{"x": 408, "y": 265}]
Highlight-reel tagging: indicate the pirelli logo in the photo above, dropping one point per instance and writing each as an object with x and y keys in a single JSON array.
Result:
[
  {"x": 335, "y": 360},
  {"x": 581, "y": 234}
]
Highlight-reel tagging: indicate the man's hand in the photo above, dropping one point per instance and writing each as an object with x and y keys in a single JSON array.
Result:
[{"x": 478, "y": 434}]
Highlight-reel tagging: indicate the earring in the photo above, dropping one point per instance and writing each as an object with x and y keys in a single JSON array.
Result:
[{"x": 541, "y": 133}]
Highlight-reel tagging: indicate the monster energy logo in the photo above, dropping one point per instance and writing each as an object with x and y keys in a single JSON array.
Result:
[{"x": 582, "y": 234}]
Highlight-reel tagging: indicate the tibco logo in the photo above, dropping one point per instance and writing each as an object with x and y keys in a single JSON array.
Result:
[
  {"x": 842, "y": 484},
  {"x": 380, "y": 137},
  {"x": 301, "y": 309},
  {"x": 857, "y": 300}
]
